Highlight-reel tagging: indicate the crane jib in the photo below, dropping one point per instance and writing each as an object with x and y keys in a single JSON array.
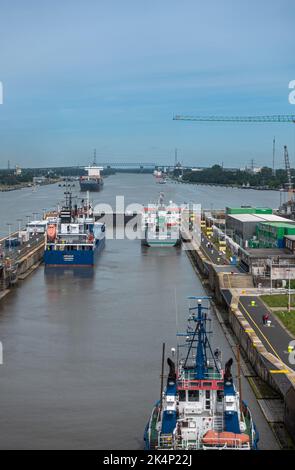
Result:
[{"x": 272, "y": 118}]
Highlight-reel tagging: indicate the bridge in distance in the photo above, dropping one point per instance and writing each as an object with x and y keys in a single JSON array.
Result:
[{"x": 126, "y": 165}]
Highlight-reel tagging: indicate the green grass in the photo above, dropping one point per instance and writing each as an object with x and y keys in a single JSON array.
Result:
[
  {"x": 288, "y": 319},
  {"x": 280, "y": 300}
]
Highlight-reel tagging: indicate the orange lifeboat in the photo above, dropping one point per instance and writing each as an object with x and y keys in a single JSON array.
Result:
[
  {"x": 229, "y": 439},
  {"x": 51, "y": 232}
]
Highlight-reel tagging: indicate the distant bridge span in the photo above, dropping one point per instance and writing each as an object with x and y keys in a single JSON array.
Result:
[{"x": 128, "y": 164}]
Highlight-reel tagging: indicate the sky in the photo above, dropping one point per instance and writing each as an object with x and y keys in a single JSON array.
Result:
[{"x": 110, "y": 75}]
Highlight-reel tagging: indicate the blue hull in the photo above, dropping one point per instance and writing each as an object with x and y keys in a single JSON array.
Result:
[
  {"x": 64, "y": 258},
  {"x": 91, "y": 185}
]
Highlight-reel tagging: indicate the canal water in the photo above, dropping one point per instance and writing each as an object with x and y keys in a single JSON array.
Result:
[{"x": 82, "y": 349}]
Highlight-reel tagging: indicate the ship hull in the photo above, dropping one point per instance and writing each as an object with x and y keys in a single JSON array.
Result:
[
  {"x": 161, "y": 241},
  {"x": 91, "y": 185},
  {"x": 151, "y": 434},
  {"x": 81, "y": 258},
  {"x": 169, "y": 243}
]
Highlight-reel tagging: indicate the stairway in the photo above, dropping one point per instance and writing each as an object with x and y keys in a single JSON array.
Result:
[{"x": 218, "y": 423}]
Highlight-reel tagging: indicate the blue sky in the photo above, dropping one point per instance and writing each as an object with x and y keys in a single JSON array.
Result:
[{"x": 110, "y": 74}]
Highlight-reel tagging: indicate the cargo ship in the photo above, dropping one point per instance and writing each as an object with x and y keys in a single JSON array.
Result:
[
  {"x": 200, "y": 407},
  {"x": 93, "y": 181},
  {"x": 73, "y": 237},
  {"x": 160, "y": 176},
  {"x": 161, "y": 224}
]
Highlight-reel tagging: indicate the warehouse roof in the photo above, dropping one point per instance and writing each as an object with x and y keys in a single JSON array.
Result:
[
  {"x": 274, "y": 218},
  {"x": 270, "y": 218},
  {"x": 268, "y": 253},
  {"x": 245, "y": 217},
  {"x": 277, "y": 224}
]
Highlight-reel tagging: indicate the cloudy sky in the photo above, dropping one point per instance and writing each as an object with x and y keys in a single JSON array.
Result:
[{"x": 110, "y": 74}]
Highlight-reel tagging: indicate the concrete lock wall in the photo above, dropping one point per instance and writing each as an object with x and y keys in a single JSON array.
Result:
[
  {"x": 290, "y": 411},
  {"x": 28, "y": 261},
  {"x": 256, "y": 353},
  {"x": 261, "y": 360}
]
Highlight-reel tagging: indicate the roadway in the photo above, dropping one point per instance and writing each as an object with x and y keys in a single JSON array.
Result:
[
  {"x": 18, "y": 252},
  {"x": 275, "y": 338},
  {"x": 218, "y": 258},
  {"x": 211, "y": 252}
]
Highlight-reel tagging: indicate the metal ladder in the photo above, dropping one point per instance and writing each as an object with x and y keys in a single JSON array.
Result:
[{"x": 218, "y": 423}]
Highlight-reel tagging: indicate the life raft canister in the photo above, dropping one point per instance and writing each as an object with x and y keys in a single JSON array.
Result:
[{"x": 230, "y": 439}]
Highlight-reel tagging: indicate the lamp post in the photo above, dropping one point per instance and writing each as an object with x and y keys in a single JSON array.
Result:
[
  {"x": 271, "y": 260},
  {"x": 9, "y": 235},
  {"x": 289, "y": 300},
  {"x": 19, "y": 226},
  {"x": 281, "y": 193},
  {"x": 289, "y": 291}
]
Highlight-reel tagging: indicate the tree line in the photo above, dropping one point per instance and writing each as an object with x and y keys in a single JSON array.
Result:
[{"x": 218, "y": 175}]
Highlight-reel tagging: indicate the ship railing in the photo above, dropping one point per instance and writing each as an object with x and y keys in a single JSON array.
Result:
[
  {"x": 63, "y": 246},
  {"x": 154, "y": 419},
  {"x": 207, "y": 384},
  {"x": 80, "y": 234},
  {"x": 185, "y": 444},
  {"x": 247, "y": 414},
  {"x": 189, "y": 376}
]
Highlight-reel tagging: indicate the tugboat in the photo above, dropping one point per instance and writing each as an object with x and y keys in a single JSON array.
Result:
[
  {"x": 161, "y": 224},
  {"x": 73, "y": 237},
  {"x": 200, "y": 408},
  {"x": 93, "y": 181}
]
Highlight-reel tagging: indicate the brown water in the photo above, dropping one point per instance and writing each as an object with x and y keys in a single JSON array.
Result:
[{"x": 82, "y": 349}]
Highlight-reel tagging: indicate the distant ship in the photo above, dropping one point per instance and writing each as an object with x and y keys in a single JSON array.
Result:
[
  {"x": 161, "y": 224},
  {"x": 160, "y": 176},
  {"x": 93, "y": 181},
  {"x": 200, "y": 408},
  {"x": 73, "y": 237}
]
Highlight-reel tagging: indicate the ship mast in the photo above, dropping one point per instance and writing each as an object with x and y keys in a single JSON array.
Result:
[
  {"x": 94, "y": 158},
  {"x": 200, "y": 338}
]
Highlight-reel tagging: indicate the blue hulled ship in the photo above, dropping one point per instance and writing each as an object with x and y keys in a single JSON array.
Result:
[
  {"x": 73, "y": 237},
  {"x": 200, "y": 407}
]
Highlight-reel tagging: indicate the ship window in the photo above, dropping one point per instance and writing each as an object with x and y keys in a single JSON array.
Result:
[
  {"x": 207, "y": 402},
  {"x": 181, "y": 395},
  {"x": 193, "y": 395},
  {"x": 219, "y": 395}
]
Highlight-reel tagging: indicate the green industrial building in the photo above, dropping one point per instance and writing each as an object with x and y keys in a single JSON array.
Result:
[
  {"x": 248, "y": 210},
  {"x": 271, "y": 234}
]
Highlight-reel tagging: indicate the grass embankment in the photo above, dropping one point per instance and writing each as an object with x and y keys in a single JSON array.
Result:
[
  {"x": 287, "y": 318},
  {"x": 281, "y": 301},
  {"x": 278, "y": 300}
]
